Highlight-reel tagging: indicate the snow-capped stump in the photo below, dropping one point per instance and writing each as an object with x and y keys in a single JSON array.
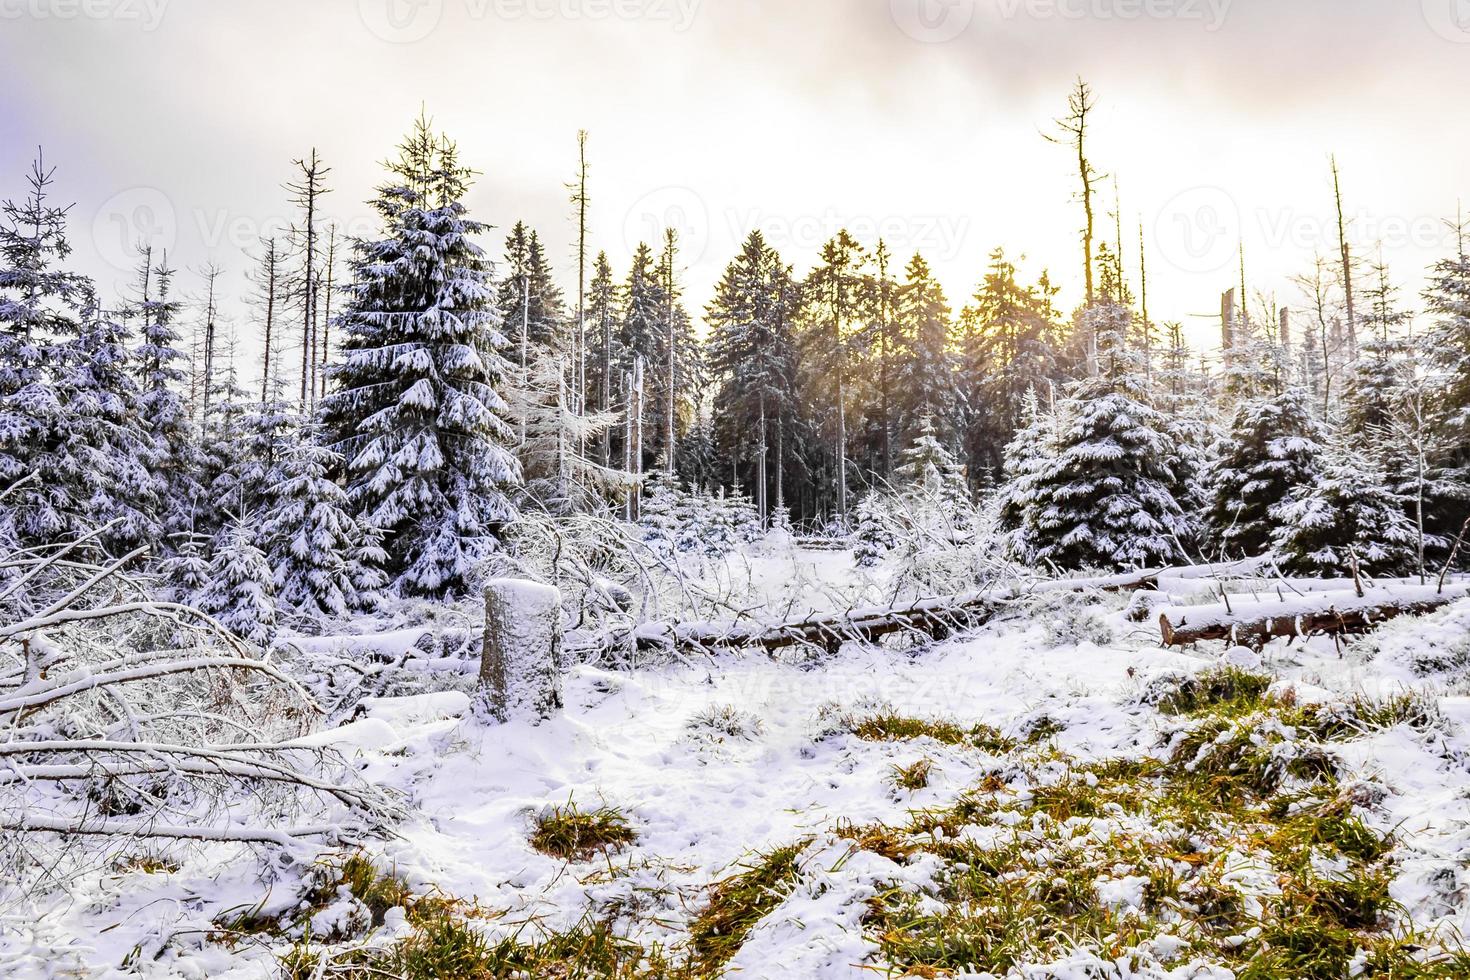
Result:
[{"x": 520, "y": 668}]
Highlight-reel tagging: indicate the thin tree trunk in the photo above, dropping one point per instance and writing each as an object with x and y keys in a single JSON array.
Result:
[
  {"x": 1347, "y": 265},
  {"x": 270, "y": 317}
]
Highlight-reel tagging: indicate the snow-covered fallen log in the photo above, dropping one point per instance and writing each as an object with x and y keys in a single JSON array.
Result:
[
  {"x": 933, "y": 618},
  {"x": 1252, "y": 621}
]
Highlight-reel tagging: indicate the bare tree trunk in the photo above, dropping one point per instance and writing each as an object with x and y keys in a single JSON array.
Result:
[
  {"x": 760, "y": 468},
  {"x": 1073, "y": 128},
  {"x": 1347, "y": 265},
  {"x": 271, "y": 261},
  {"x": 326, "y": 353}
]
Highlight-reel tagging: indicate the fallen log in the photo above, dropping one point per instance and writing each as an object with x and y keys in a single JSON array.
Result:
[
  {"x": 935, "y": 618},
  {"x": 1248, "y": 621}
]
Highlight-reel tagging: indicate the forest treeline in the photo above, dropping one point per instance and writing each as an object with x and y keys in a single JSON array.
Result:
[{"x": 418, "y": 389}]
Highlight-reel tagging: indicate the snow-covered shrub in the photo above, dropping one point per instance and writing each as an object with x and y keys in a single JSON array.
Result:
[
  {"x": 874, "y": 535},
  {"x": 1067, "y": 620},
  {"x": 723, "y": 721},
  {"x": 147, "y": 720},
  {"x": 1436, "y": 645}
]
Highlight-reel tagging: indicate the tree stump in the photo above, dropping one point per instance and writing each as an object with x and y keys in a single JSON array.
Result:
[{"x": 520, "y": 666}]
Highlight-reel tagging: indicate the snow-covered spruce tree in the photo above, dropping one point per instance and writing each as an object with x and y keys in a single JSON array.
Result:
[
  {"x": 270, "y": 429},
  {"x": 415, "y": 409},
  {"x": 39, "y": 311},
  {"x": 930, "y": 402},
  {"x": 1447, "y": 300},
  {"x": 1347, "y": 514},
  {"x": 240, "y": 592},
  {"x": 312, "y": 540},
  {"x": 873, "y": 534},
  {"x": 1026, "y": 458},
  {"x": 757, "y": 417},
  {"x": 1099, "y": 492},
  {"x": 661, "y": 516},
  {"x": 107, "y": 432},
  {"x": 744, "y": 519},
  {"x": 225, "y": 451},
  {"x": 1272, "y": 449},
  {"x": 931, "y": 480},
  {"x": 186, "y": 571},
  {"x": 171, "y": 454},
  {"x": 718, "y": 526},
  {"x": 526, "y": 273}
]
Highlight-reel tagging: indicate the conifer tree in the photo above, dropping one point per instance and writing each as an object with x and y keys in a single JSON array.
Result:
[
  {"x": 1009, "y": 346},
  {"x": 172, "y": 454},
  {"x": 39, "y": 312},
  {"x": 832, "y": 297},
  {"x": 928, "y": 468},
  {"x": 1347, "y": 516},
  {"x": 1100, "y": 492},
  {"x": 873, "y": 535},
  {"x": 662, "y": 515},
  {"x": 240, "y": 592},
  {"x": 107, "y": 429},
  {"x": 752, "y": 353},
  {"x": 602, "y": 297},
  {"x": 929, "y": 398},
  {"x": 313, "y": 542},
  {"x": 1272, "y": 449},
  {"x": 526, "y": 275},
  {"x": 416, "y": 411}
]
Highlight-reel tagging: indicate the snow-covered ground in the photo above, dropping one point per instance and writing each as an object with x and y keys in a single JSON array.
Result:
[{"x": 740, "y": 754}]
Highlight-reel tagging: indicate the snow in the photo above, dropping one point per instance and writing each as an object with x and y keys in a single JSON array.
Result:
[{"x": 703, "y": 800}]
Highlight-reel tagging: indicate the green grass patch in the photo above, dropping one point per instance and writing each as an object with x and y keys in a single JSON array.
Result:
[
  {"x": 572, "y": 834},
  {"x": 914, "y": 776},
  {"x": 1220, "y": 690},
  {"x": 888, "y": 726},
  {"x": 737, "y": 903}
]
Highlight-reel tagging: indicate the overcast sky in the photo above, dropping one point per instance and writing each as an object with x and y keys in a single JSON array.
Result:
[{"x": 920, "y": 120}]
